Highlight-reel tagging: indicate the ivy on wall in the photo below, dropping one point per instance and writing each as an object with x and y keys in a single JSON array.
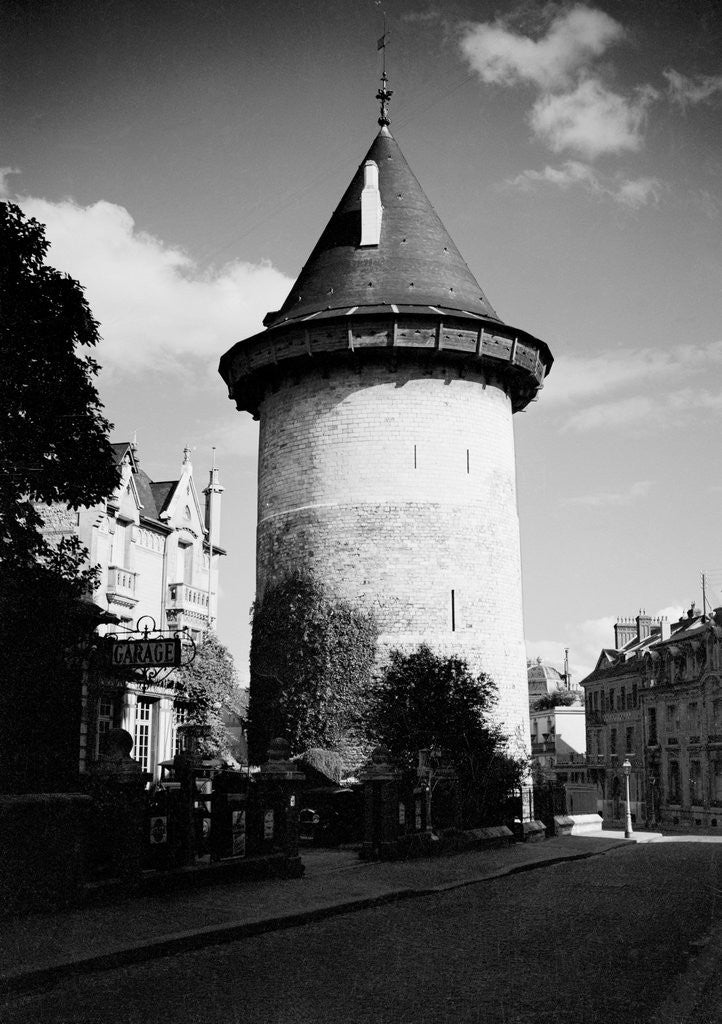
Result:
[{"x": 312, "y": 660}]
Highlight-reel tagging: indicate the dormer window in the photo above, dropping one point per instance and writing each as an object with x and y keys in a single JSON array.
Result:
[{"x": 371, "y": 209}]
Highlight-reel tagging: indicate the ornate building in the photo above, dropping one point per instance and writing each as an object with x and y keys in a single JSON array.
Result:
[
  {"x": 152, "y": 544},
  {"x": 556, "y": 713},
  {"x": 385, "y": 387},
  {"x": 656, "y": 699},
  {"x": 681, "y": 705}
]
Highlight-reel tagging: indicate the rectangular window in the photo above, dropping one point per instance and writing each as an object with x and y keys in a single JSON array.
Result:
[
  {"x": 695, "y": 782},
  {"x": 630, "y": 739},
  {"x": 672, "y": 721},
  {"x": 716, "y": 715},
  {"x": 622, "y": 695},
  {"x": 595, "y": 700},
  {"x": 180, "y": 716},
  {"x": 613, "y": 741},
  {"x": 693, "y": 718},
  {"x": 673, "y": 780},
  {"x": 414, "y": 456},
  {"x": 104, "y": 721},
  {"x": 611, "y": 699},
  {"x": 652, "y": 725},
  {"x": 453, "y": 611},
  {"x": 467, "y": 460},
  {"x": 634, "y": 695},
  {"x": 141, "y": 737},
  {"x": 121, "y": 540},
  {"x": 717, "y": 782}
]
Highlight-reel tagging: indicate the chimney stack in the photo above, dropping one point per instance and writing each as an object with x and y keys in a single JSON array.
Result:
[
  {"x": 624, "y": 633},
  {"x": 644, "y": 625}
]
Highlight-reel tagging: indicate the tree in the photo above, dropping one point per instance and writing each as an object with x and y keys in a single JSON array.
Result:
[
  {"x": 312, "y": 660},
  {"x": 423, "y": 702},
  {"x": 54, "y": 442},
  {"x": 54, "y": 447},
  {"x": 557, "y": 699},
  {"x": 208, "y": 686}
]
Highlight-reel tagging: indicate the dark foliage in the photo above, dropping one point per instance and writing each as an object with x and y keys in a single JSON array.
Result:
[
  {"x": 427, "y": 702},
  {"x": 54, "y": 447},
  {"x": 557, "y": 699},
  {"x": 54, "y": 442},
  {"x": 312, "y": 660}
]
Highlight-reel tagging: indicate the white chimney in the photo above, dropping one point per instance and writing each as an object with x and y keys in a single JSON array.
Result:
[{"x": 371, "y": 209}]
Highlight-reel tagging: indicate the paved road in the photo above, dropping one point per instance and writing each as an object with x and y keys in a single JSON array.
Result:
[{"x": 599, "y": 940}]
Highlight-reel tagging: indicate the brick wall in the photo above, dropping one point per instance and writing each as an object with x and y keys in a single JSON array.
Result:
[{"x": 397, "y": 488}]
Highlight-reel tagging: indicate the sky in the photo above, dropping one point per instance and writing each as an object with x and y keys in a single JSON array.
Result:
[{"x": 185, "y": 156}]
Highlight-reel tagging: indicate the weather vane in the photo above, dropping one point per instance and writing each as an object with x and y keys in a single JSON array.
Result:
[{"x": 384, "y": 94}]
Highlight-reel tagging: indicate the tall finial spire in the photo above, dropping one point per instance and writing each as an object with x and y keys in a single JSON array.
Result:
[{"x": 384, "y": 94}]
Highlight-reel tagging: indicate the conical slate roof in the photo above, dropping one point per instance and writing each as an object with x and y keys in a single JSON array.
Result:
[{"x": 414, "y": 264}]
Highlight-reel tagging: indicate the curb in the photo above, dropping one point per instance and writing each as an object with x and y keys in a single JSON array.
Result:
[{"x": 27, "y": 979}]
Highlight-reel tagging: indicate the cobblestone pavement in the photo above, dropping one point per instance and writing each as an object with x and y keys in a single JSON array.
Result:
[
  {"x": 605, "y": 939},
  {"x": 194, "y": 917}
]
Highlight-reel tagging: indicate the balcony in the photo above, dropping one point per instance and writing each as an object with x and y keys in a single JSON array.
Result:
[
  {"x": 543, "y": 747},
  {"x": 121, "y": 586},
  {"x": 186, "y": 600}
]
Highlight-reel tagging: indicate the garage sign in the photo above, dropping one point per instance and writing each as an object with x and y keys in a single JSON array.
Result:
[{"x": 164, "y": 653}]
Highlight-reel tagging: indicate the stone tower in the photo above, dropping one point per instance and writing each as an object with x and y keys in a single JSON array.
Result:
[{"x": 385, "y": 387}]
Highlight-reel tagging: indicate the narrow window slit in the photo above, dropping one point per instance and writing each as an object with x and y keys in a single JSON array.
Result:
[
  {"x": 467, "y": 460},
  {"x": 414, "y": 456},
  {"x": 453, "y": 612}
]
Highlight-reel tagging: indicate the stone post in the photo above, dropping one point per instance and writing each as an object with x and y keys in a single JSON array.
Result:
[
  {"x": 279, "y": 783},
  {"x": 381, "y": 807},
  {"x": 118, "y": 792}
]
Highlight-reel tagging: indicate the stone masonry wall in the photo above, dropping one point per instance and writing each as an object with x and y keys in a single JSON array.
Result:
[{"x": 397, "y": 488}]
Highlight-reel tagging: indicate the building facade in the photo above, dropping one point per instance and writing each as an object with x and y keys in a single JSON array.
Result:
[
  {"x": 557, "y": 721},
  {"x": 614, "y": 719},
  {"x": 656, "y": 700},
  {"x": 681, "y": 705},
  {"x": 155, "y": 546},
  {"x": 385, "y": 388}
]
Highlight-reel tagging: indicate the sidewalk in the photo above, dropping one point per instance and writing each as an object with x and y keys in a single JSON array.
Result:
[{"x": 39, "y": 949}]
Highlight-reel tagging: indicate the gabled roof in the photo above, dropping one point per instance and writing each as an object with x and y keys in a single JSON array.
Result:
[
  {"x": 415, "y": 262},
  {"x": 162, "y": 493},
  {"x": 123, "y": 448}
]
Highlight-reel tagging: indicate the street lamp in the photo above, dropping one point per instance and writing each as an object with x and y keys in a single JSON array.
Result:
[{"x": 627, "y": 768}]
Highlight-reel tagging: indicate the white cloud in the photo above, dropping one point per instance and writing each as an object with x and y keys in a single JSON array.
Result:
[
  {"x": 631, "y": 192},
  {"x": 584, "y": 639},
  {"x": 609, "y": 415},
  {"x": 686, "y": 91},
  {"x": 591, "y": 119},
  {"x": 607, "y": 499},
  {"x": 5, "y": 173},
  {"x": 154, "y": 305},
  {"x": 575, "y": 111},
  {"x": 636, "y": 192},
  {"x": 659, "y": 386},
  {"x": 503, "y": 56},
  {"x": 679, "y": 407},
  {"x": 587, "y": 638},
  {"x": 576, "y": 378}
]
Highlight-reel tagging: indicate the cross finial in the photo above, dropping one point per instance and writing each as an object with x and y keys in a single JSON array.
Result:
[{"x": 384, "y": 94}]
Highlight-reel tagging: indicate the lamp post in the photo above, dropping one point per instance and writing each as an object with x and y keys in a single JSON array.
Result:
[{"x": 627, "y": 768}]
